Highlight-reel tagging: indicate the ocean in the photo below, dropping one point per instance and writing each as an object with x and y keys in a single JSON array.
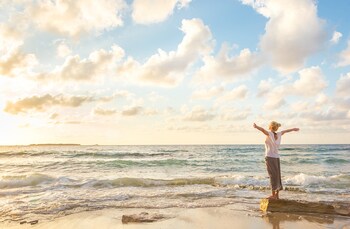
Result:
[{"x": 46, "y": 182}]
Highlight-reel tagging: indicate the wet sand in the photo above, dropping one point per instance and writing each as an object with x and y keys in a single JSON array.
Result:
[{"x": 203, "y": 218}]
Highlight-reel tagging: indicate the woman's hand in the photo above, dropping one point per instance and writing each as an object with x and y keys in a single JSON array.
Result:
[
  {"x": 296, "y": 129},
  {"x": 261, "y": 129}
]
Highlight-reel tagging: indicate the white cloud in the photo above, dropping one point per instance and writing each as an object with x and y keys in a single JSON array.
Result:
[
  {"x": 258, "y": 5},
  {"x": 17, "y": 63},
  {"x": 292, "y": 33},
  {"x": 54, "y": 116},
  {"x": 237, "y": 93},
  {"x": 276, "y": 97},
  {"x": 317, "y": 104},
  {"x": 184, "y": 3},
  {"x": 168, "y": 69},
  {"x": 336, "y": 37},
  {"x": 300, "y": 106},
  {"x": 10, "y": 38},
  {"x": 132, "y": 111},
  {"x": 198, "y": 114},
  {"x": 274, "y": 102},
  {"x": 325, "y": 115},
  {"x": 344, "y": 57},
  {"x": 226, "y": 67},
  {"x": 208, "y": 93},
  {"x": 75, "y": 17},
  {"x": 13, "y": 62},
  {"x": 322, "y": 99},
  {"x": 150, "y": 112},
  {"x": 40, "y": 103},
  {"x": 8, "y": 3},
  {"x": 154, "y": 97},
  {"x": 104, "y": 112},
  {"x": 232, "y": 114},
  {"x": 342, "y": 102},
  {"x": 135, "y": 109},
  {"x": 153, "y": 11},
  {"x": 99, "y": 63},
  {"x": 311, "y": 82},
  {"x": 264, "y": 87},
  {"x": 343, "y": 85},
  {"x": 129, "y": 67},
  {"x": 63, "y": 50},
  {"x": 119, "y": 94}
]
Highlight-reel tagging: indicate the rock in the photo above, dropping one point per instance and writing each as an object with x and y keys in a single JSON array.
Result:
[
  {"x": 33, "y": 222},
  {"x": 295, "y": 206},
  {"x": 30, "y": 222},
  {"x": 142, "y": 218}
]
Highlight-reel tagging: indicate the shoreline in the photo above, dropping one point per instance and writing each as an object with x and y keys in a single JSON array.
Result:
[{"x": 189, "y": 218}]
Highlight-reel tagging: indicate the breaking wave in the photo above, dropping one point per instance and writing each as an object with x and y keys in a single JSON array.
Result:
[{"x": 295, "y": 183}]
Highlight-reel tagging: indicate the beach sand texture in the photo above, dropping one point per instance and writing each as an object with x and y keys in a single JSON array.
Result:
[{"x": 225, "y": 217}]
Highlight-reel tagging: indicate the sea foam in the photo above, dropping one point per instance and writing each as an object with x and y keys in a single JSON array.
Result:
[{"x": 25, "y": 180}]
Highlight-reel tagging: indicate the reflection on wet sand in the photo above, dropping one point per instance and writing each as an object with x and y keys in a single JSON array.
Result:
[{"x": 278, "y": 218}]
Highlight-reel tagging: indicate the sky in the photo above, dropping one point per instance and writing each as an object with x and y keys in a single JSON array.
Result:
[{"x": 120, "y": 72}]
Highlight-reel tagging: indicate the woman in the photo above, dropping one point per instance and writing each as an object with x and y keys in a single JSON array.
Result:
[{"x": 272, "y": 157}]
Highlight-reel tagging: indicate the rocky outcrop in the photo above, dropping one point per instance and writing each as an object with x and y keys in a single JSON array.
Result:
[
  {"x": 33, "y": 222},
  {"x": 143, "y": 217},
  {"x": 295, "y": 206}
]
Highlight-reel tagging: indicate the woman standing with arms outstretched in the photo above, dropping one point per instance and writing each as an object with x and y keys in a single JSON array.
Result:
[{"x": 272, "y": 157}]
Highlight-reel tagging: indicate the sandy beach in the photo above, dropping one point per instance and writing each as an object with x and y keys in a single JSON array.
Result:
[{"x": 216, "y": 217}]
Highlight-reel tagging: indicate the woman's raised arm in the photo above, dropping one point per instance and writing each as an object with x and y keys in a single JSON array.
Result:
[
  {"x": 289, "y": 130},
  {"x": 261, "y": 129}
]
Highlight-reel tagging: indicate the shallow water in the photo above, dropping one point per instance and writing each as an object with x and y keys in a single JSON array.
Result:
[{"x": 48, "y": 181}]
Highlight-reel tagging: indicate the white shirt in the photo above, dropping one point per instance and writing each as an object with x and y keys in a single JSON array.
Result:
[{"x": 272, "y": 145}]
